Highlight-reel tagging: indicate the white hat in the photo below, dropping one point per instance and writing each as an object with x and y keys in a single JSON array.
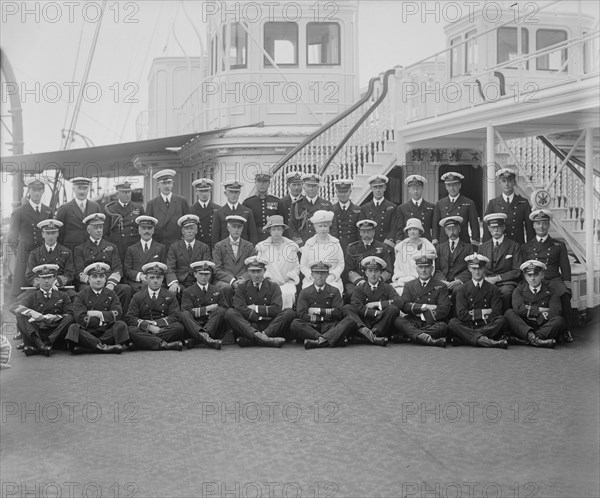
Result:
[
  {"x": 50, "y": 225},
  {"x": 476, "y": 259},
  {"x": 46, "y": 270},
  {"x": 415, "y": 179},
  {"x": 506, "y": 172},
  {"x": 414, "y": 223},
  {"x": 377, "y": 180},
  {"x": 321, "y": 216},
  {"x": 452, "y": 177},
  {"x": 540, "y": 215},
  {"x": 94, "y": 219},
  {"x": 164, "y": 174},
  {"x": 102, "y": 268},
  {"x": 203, "y": 184},
  {"x": 80, "y": 180},
  {"x": 203, "y": 266},
  {"x": 234, "y": 218},
  {"x": 312, "y": 178},
  {"x": 188, "y": 219},
  {"x": 146, "y": 220},
  {"x": 156, "y": 267}
]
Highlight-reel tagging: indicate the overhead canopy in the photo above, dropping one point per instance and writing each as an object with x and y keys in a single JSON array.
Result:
[{"x": 102, "y": 161}]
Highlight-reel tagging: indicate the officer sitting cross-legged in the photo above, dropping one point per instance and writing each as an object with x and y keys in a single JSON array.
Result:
[
  {"x": 97, "y": 311},
  {"x": 321, "y": 322},
  {"x": 257, "y": 317},
  {"x": 154, "y": 314},
  {"x": 536, "y": 317},
  {"x": 43, "y": 315},
  {"x": 426, "y": 302},
  {"x": 375, "y": 305}
]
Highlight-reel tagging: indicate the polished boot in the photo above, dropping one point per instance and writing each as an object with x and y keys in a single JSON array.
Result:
[
  {"x": 486, "y": 342},
  {"x": 273, "y": 342},
  {"x": 21, "y": 346},
  {"x": 566, "y": 336},
  {"x": 30, "y": 351},
  {"x": 209, "y": 341},
  {"x": 318, "y": 343},
  {"x": 535, "y": 341},
  {"x": 427, "y": 340},
  {"x": 171, "y": 346},
  {"x": 106, "y": 349},
  {"x": 513, "y": 340}
]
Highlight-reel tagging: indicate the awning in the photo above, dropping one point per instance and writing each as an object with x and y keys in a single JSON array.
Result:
[{"x": 102, "y": 161}]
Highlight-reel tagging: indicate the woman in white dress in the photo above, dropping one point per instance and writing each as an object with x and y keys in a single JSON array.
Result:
[
  {"x": 282, "y": 255},
  {"x": 325, "y": 248},
  {"x": 405, "y": 268}
]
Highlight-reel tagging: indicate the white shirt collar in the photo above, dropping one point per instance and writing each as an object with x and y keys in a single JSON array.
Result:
[
  {"x": 373, "y": 287},
  {"x": 81, "y": 203},
  {"x": 421, "y": 282},
  {"x": 508, "y": 198},
  {"x": 189, "y": 243},
  {"x": 35, "y": 206},
  {"x": 202, "y": 287},
  {"x": 500, "y": 240},
  {"x": 542, "y": 239},
  {"x": 417, "y": 203},
  {"x": 346, "y": 205},
  {"x": 477, "y": 283},
  {"x": 319, "y": 288},
  {"x": 295, "y": 199},
  {"x": 146, "y": 242},
  {"x": 123, "y": 205},
  {"x": 95, "y": 242},
  {"x": 233, "y": 206},
  {"x": 233, "y": 241},
  {"x": 453, "y": 199},
  {"x": 166, "y": 197},
  {"x": 378, "y": 202},
  {"x": 48, "y": 248},
  {"x": 312, "y": 200},
  {"x": 203, "y": 205},
  {"x": 535, "y": 289},
  {"x": 151, "y": 292}
]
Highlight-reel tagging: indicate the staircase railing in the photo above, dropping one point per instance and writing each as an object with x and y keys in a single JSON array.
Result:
[{"x": 320, "y": 148}]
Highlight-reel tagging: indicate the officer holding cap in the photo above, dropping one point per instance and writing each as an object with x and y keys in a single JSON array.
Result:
[
  {"x": 167, "y": 208},
  {"x": 204, "y": 208},
  {"x": 416, "y": 207},
  {"x": 233, "y": 207},
  {"x": 44, "y": 315},
  {"x": 147, "y": 250},
  {"x": 263, "y": 205}
]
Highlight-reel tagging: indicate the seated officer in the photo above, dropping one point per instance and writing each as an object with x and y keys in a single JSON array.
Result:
[
  {"x": 479, "y": 309},
  {"x": 147, "y": 250},
  {"x": 229, "y": 256},
  {"x": 416, "y": 207},
  {"x": 184, "y": 252},
  {"x": 257, "y": 317},
  {"x": 375, "y": 305},
  {"x": 505, "y": 258},
  {"x": 98, "y": 250},
  {"x": 51, "y": 253},
  {"x": 154, "y": 314},
  {"x": 43, "y": 315},
  {"x": 451, "y": 266},
  {"x": 346, "y": 214},
  {"x": 205, "y": 304},
  {"x": 97, "y": 311},
  {"x": 536, "y": 316},
  {"x": 357, "y": 251},
  {"x": 553, "y": 253},
  {"x": 426, "y": 304},
  {"x": 321, "y": 322}
]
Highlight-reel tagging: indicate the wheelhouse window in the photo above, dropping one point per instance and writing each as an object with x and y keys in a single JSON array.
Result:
[
  {"x": 238, "y": 48},
  {"x": 552, "y": 61},
  {"x": 454, "y": 57},
  {"x": 281, "y": 43},
  {"x": 323, "y": 43},
  {"x": 508, "y": 43},
  {"x": 471, "y": 51}
]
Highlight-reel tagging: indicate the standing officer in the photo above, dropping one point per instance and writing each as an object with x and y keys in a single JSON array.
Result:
[
  {"x": 536, "y": 317},
  {"x": 147, "y": 250},
  {"x": 381, "y": 211},
  {"x": 257, "y": 317},
  {"x": 51, "y": 253},
  {"x": 154, "y": 314},
  {"x": 517, "y": 209},
  {"x": 456, "y": 205},
  {"x": 204, "y": 209},
  {"x": 167, "y": 208},
  {"x": 505, "y": 258},
  {"x": 120, "y": 227},
  {"x": 346, "y": 215},
  {"x": 301, "y": 229},
  {"x": 97, "y": 250},
  {"x": 354, "y": 274},
  {"x": 479, "y": 309},
  {"x": 183, "y": 253},
  {"x": 72, "y": 214},
  {"x": 553, "y": 254},
  {"x": 233, "y": 208},
  {"x": 416, "y": 207},
  {"x": 426, "y": 304},
  {"x": 375, "y": 305},
  {"x": 321, "y": 322},
  {"x": 294, "y": 186},
  {"x": 44, "y": 315},
  {"x": 205, "y": 304},
  {"x": 98, "y": 327},
  {"x": 263, "y": 205},
  {"x": 23, "y": 233},
  {"x": 451, "y": 266}
]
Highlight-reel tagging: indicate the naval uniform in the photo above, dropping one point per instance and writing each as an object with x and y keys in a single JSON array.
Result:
[
  {"x": 381, "y": 319},
  {"x": 526, "y": 315},
  {"x": 383, "y": 213},
  {"x": 416, "y": 321},
  {"x": 36, "y": 334},
  {"x": 505, "y": 262},
  {"x": 285, "y": 206},
  {"x": 60, "y": 256},
  {"x": 330, "y": 323},
  {"x": 344, "y": 224},
  {"x": 164, "y": 310},
  {"x": 136, "y": 257},
  {"x": 269, "y": 318},
  {"x": 300, "y": 214},
  {"x": 220, "y": 232},
  {"x": 120, "y": 227},
  {"x": 179, "y": 259},
  {"x": 194, "y": 301},
  {"x": 262, "y": 207},
  {"x": 74, "y": 231},
  {"x": 25, "y": 236},
  {"x": 463, "y": 207},
  {"x": 167, "y": 231},
  {"x": 205, "y": 213},
  {"x": 518, "y": 225},
  {"x": 87, "y": 331},
  {"x": 356, "y": 252},
  {"x": 410, "y": 210},
  {"x": 471, "y": 326}
]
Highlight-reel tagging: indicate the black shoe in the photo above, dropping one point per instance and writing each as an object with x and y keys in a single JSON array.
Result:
[
  {"x": 516, "y": 341},
  {"x": 244, "y": 342},
  {"x": 535, "y": 341},
  {"x": 209, "y": 341},
  {"x": 380, "y": 341},
  {"x": 486, "y": 342},
  {"x": 106, "y": 349},
  {"x": 440, "y": 343},
  {"x": 358, "y": 339},
  {"x": 18, "y": 337},
  {"x": 318, "y": 343},
  {"x": 20, "y": 346},
  {"x": 46, "y": 350},
  {"x": 189, "y": 343},
  {"x": 31, "y": 351},
  {"x": 566, "y": 336},
  {"x": 130, "y": 346},
  {"x": 273, "y": 342},
  {"x": 171, "y": 346}
]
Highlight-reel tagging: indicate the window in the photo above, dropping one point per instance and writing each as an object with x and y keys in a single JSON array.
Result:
[
  {"x": 213, "y": 55},
  {"x": 238, "y": 50},
  {"x": 454, "y": 55},
  {"x": 323, "y": 43},
  {"x": 552, "y": 61},
  {"x": 471, "y": 51},
  {"x": 281, "y": 43},
  {"x": 508, "y": 45}
]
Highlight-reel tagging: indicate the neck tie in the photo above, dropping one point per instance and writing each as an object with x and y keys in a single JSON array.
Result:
[
  {"x": 423, "y": 284},
  {"x": 495, "y": 249},
  {"x": 344, "y": 208},
  {"x": 235, "y": 246},
  {"x": 189, "y": 249},
  {"x": 257, "y": 286},
  {"x": 47, "y": 295},
  {"x": 82, "y": 207},
  {"x": 154, "y": 296},
  {"x": 50, "y": 251},
  {"x": 167, "y": 201},
  {"x": 535, "y": 291},
  {"x": 203, "y": 289},
  {"x": 37, "y": 210},
  {"x": 145, "y": 248},
  {"x": 452, "y": 246},
  {"x": 319, "y": 290}
]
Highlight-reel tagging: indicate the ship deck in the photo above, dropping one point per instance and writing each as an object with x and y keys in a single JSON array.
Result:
[{"x": 358, "y": 421}]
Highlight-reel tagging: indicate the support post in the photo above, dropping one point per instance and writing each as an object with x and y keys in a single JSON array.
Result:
[
  {"x": 589, "y": 215},
  {"x": 490, "y": 172}
]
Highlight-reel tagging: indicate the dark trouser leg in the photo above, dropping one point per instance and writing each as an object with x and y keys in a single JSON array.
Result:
[
  {"x": 57, "y": 336},
  {"x": 552, "y": 328},
  {"x": 349, "y": 288},
  {"x": 191, "y": 326},
  {"x": 383, "y": 325},
  {"x": 240, "y": 326},
  {"x": 280, "y": 325},
  {"x": 143, "y": 339},
  {"x": 20, "y": 268},
  {"x": 335, "y": 332},
  {"x": 117, "y": 333},
  {"x": 517, "y": 325},
  {"x": 565, "y": 301},
  {"x": 506, "y": 292},
  {"x": 303, "y": 330},
  {"x": 352, "y": 312},
  {"x": 227, "y": 292},
  {"x": 30, "y": 331},
  {"x": 470, "y": 333},
  {"x": 215, "y": 326},
  {"x": 411, "y": 327},
  {"x": 123, "y": 292}
]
